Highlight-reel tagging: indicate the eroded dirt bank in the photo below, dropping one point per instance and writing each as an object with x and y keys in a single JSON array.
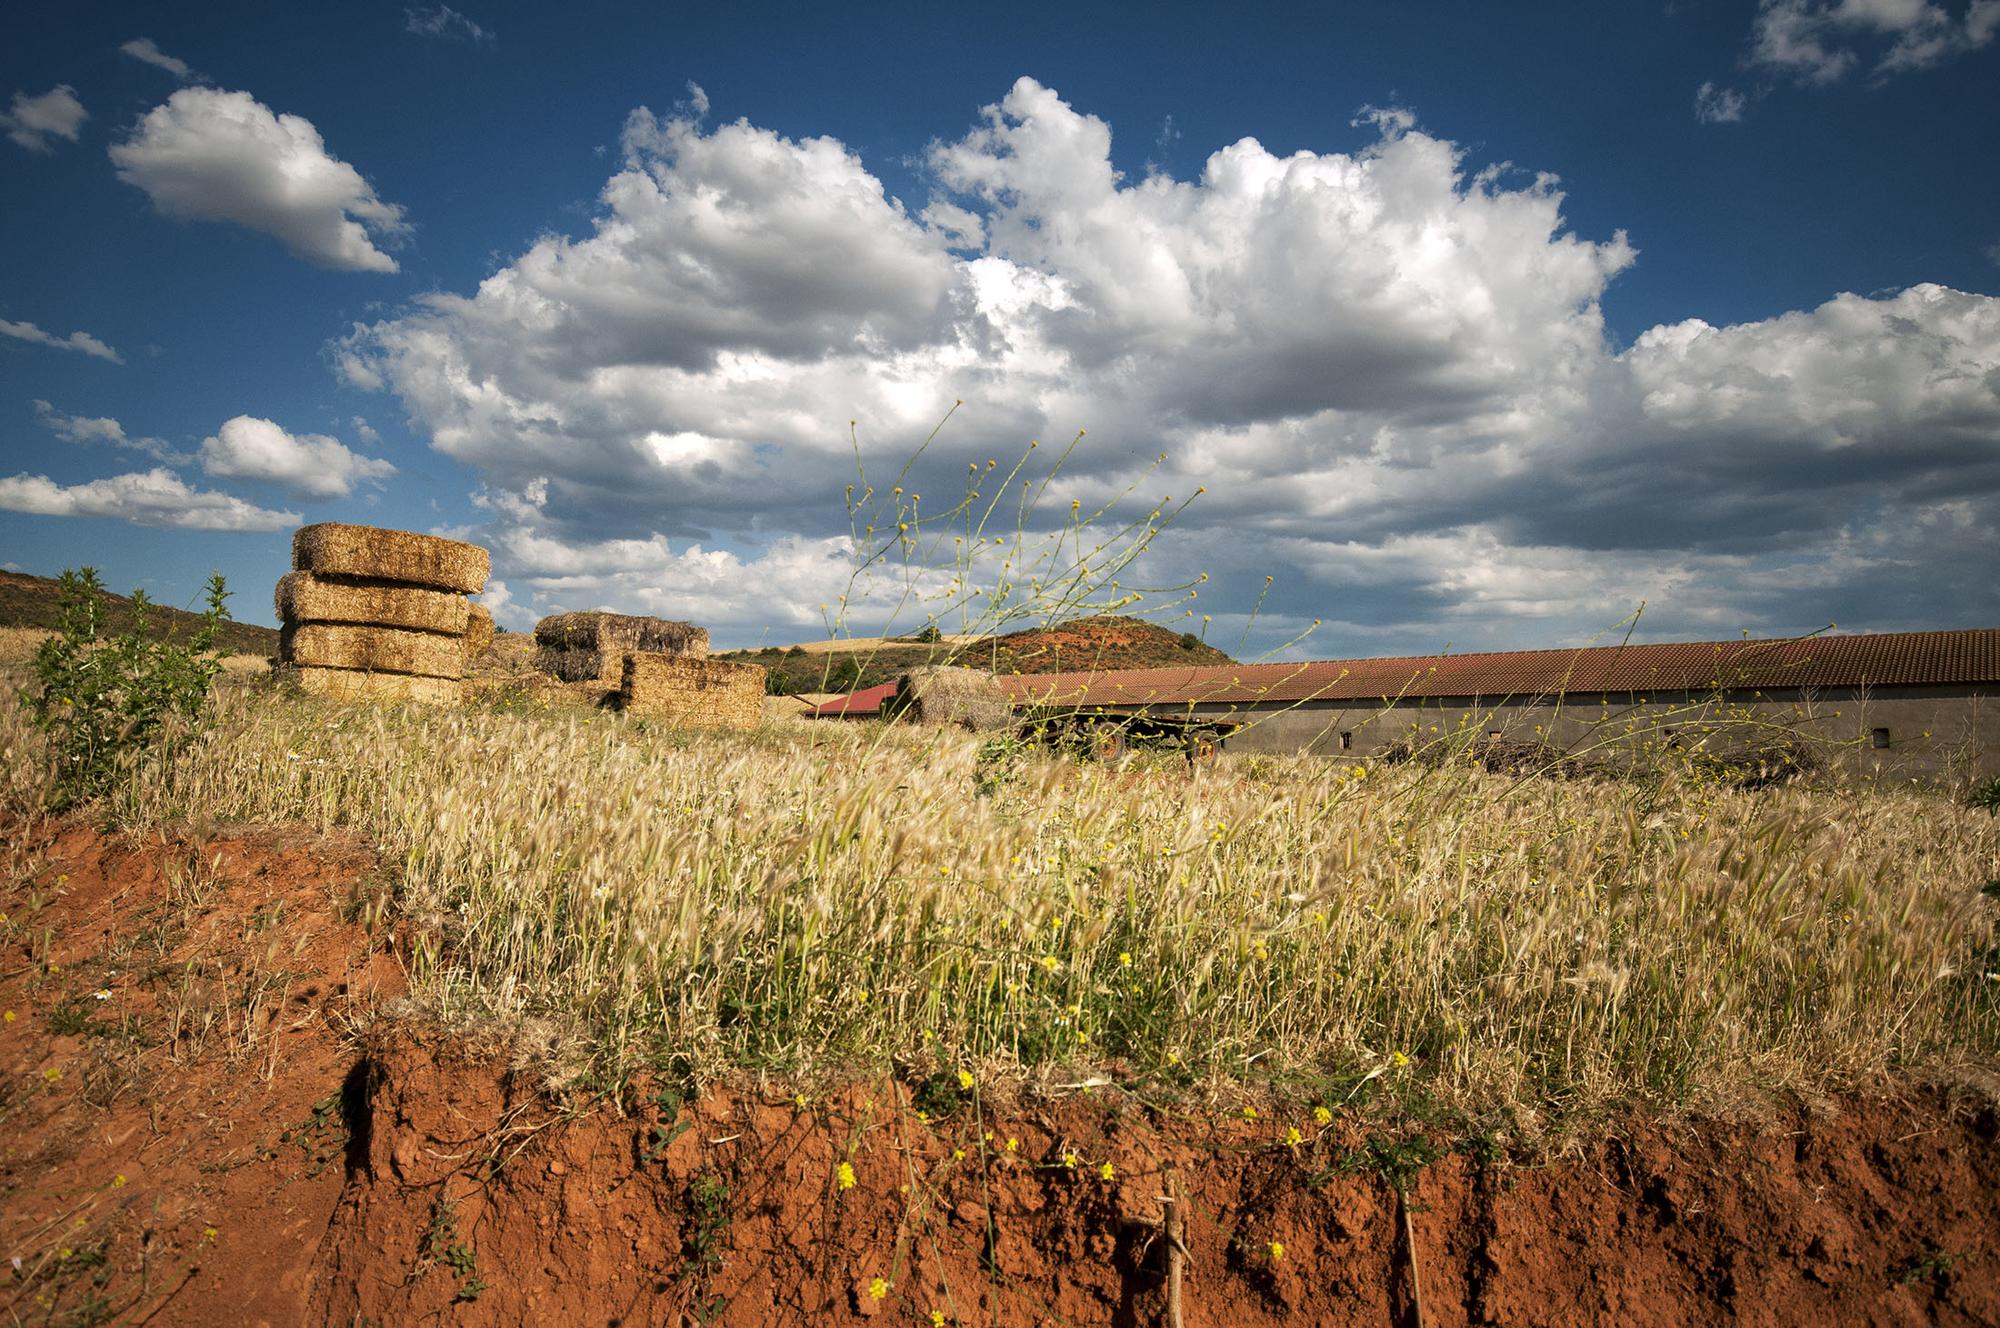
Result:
[
  {"x": 733, "y": 1212},
  {"x": 216, "y": 1146},
  {"x": 173, "y": 1058}
]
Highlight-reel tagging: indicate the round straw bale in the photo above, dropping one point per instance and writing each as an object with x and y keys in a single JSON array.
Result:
[
  {"x": 376, "y": 649},
  {"x": 304, "y": 597},
  {"x": 332, "y": 548},
  {"x": 478, "y": 629},
  {"x": 943, "y": 694},
  {"x": 358, "y": 685}
]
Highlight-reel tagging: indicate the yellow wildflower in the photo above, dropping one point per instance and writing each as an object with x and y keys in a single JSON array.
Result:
[
  {"x": 1277, "y": 1248},
  {"x": 844, "y": 1177},
  {"x": 1107, "y": 1171},
  {"x": 965, "y": 1080},
  {"x": 879, "y": 1288}
]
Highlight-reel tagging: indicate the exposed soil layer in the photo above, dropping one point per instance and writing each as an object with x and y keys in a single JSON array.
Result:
[
  {"x": 732, "y": 1211},
  {"x": 172, "y": 1068},
  {"x": 276, "y": 1171}
]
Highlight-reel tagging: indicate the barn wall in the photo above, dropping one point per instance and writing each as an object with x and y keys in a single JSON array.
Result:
[{"x": 1935, "y": 733}]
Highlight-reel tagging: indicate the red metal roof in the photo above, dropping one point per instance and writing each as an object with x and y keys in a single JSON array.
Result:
[
  {"x": 867, "y": 701},
  {"x": 1888, "y": 659}
]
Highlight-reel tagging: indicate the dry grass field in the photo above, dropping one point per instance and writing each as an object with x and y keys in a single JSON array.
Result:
[
  {"x": 380, "y": 1013},
  {"x": 822, "y": 899}
]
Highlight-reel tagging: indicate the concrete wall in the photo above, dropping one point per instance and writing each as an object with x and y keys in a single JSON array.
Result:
[{"x": 1933, "y": 733}]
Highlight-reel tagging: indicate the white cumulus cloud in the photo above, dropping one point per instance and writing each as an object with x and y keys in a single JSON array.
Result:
[
  {"x": 32, "y": 121},
  {"x": 155, "y": 497},
  {"x": 88, "y": 429},
  {"x": 143, "y": 50},
  {"x": 1714, "y": 105},
  {"x": 306, "y": 466},
  {"x": 81, "y": 342},
  {"x": 1819, "y": 41},
  {"x": 446, "y": 22},
  {"x": 210, "y": 155},
  {"x": 1387, "y": 365}
]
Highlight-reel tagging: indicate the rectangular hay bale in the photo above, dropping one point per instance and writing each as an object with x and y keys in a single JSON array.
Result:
[
  {"x": 304, "y": 597},
  {"x": 358, "y": 685},
  {"x": 333, "y": 548},
  {"x": 695, "y": 693},
  {"x": 478, "y": 629},
  {"x": 582, "y": 647},
  {"x": 373, "y": 649}
]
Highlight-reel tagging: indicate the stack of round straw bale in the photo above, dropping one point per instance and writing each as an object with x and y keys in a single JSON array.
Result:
[
  {"x": 373, "y": 614},
  {"x": 946, "y": 694}
]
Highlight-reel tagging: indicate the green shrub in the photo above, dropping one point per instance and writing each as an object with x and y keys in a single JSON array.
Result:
[
  {"x": 108, "y": 702},
  {"x": 1986, "y": 796}
]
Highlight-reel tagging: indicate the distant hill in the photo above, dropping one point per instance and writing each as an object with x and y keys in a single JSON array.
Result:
[
  {"x": 1106, "y": 642},
  {"x": 34, "y": 601}
]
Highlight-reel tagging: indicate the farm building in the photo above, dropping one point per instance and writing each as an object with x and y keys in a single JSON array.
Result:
[
  {"x": 1924, "y": 704},
  {"x": 864, "y": 704}
]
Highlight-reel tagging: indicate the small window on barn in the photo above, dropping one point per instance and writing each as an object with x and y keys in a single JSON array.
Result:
[
  {"x": 1346, "y": 740},
  {"x": 1878, "y": 737}
]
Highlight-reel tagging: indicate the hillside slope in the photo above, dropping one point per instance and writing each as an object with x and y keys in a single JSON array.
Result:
[
  {"x": 1105, "y": 642},
  {"x": 35, "y": 601}
]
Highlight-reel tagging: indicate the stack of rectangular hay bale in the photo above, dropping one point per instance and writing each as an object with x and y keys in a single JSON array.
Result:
[
  {"x": 650, "y": 666},
  {"x": 591, "y": 647},
  {"x": 373, "y": 614}
]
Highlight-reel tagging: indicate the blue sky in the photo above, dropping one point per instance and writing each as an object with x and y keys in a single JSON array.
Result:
[{"x": 1479, "y": 325}]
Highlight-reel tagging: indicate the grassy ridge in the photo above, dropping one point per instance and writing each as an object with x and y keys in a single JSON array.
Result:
[
  {"x": 1105, "y": 641},
  {"x": 35, "y": 601},
  {"x": 833, "y": 897}
]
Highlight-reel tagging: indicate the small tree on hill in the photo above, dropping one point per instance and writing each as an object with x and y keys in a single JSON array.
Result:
[{"x": 108, "y": 702}]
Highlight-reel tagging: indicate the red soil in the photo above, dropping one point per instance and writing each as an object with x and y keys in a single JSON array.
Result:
[
  {"x": 465, "y": 1194},
  {"x": 185, "y": 1145}
]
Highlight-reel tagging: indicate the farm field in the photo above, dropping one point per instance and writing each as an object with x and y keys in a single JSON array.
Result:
[{"x": 500, "y": 1015}]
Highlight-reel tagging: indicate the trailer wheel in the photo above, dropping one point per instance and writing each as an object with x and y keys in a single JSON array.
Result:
[
  {"x": 1107, "y": 742},
  {"x": 1203, "y": 747}
]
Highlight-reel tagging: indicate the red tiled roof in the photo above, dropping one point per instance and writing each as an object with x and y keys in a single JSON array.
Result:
[
  {"x": 867, "y": 701},
  {"x": 1888, "y": 659}
]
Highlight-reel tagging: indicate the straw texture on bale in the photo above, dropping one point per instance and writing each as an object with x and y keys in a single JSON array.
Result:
[
  {"x": 478, "y": 629},
  {"x": 375, "y": 649},
  {"x": 357, "y": 685},
  {"x": 582, "y": 647},
  {"x": 332, "y": 548},
  {"x": 303, "y": 597},
  {"x": 943, "y": 694},
  {"x": 695, "y": 693}
]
